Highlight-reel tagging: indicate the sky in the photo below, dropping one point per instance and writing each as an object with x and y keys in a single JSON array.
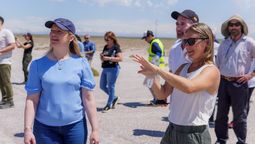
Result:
[{"x": 123, "y": 17}]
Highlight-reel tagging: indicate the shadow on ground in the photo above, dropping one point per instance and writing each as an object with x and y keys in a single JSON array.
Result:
[
  {"x": 19, "y": 134},
  {"x": 152, "y": 133},
  {"x": 134, "y": 104},
  {"x": 100, "y": 109},
  {"x": 165, "y": 119}
]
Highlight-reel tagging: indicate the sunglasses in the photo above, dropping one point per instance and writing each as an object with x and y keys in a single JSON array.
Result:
[
  {"x": 191, "y": 41},
  {"x": 234, "y": 24}
]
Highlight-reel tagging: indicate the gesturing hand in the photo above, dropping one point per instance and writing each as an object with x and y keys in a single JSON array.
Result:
[{"x": 147, "y": 68}]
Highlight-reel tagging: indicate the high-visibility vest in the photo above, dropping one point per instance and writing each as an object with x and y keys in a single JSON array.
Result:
[{"x": 151, "y": 54}]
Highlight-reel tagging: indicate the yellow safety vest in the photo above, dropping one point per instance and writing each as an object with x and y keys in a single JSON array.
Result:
[{"x": 151, "y": 54}]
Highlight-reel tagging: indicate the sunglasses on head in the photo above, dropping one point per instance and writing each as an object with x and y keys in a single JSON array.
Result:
[
  {"x": 191, "y": 41},
  {"x": 234, "y": 24}
]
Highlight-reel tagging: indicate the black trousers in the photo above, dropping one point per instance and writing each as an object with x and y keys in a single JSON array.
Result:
[
  {"x": 235, "y": 95},
  {"x": 250, "y": 93}
]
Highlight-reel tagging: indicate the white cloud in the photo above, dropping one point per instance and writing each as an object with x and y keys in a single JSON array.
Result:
[
  {"x": 128, "y": 3},
  {"x": 245, "y": 4},
  {"x": 122, "y": 28},
  {"x": 171, "y": 2},
  {"x": 134, "y": 28},
  {"x": 27, "y": 24}
]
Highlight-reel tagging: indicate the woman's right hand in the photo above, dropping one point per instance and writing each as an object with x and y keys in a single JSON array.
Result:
[
  {"x": 147, "y": 69},
  {"x": 29, "y": 137}
]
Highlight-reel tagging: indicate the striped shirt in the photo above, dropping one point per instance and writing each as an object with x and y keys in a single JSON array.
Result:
[{"x": 234, "y": 58}]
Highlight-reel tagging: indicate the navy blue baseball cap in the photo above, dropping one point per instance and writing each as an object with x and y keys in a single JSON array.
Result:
[
  {"x": 147, "y": 33},
  {"x": 189, "y": 14},
  {"x": 64, "y": 24}
]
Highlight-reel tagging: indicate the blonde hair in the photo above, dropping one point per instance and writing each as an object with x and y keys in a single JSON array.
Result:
[
  {"x": 74, "y": 47},
  {"x": 205, "y": 32}
]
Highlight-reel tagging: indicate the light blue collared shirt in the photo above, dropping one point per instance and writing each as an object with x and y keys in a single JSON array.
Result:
[
  {"x": 234, "y": 58},
  {"x": 59, "y": 84}
]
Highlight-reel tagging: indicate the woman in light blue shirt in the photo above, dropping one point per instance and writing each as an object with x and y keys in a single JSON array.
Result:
[{"x": 60, "y": 92}]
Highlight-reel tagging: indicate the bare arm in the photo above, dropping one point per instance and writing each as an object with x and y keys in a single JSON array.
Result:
[
  {"x": 8, "y": 48},
  {"x": 90, "y": 108},
  {"x": 207, "y": 80},
  {"x": 118, "y": 58},
  {"x": 20, "y": 45},
  {"x": 162, "y": 91},
  {"x": 30, "y": 110}
]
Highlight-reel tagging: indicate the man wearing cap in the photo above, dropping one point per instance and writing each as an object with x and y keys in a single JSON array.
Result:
[
  {"x": 7, "y": 44},
  {"x": 89, "y": 48},
  {"x": 177, "y": 53},
  {"x": 234, "y": 60},
  {"x": 156, "y": 57}
]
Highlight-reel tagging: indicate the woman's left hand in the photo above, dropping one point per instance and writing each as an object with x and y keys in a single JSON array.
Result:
[
  {"x": 147, "y": 68},
  {"x": 106, "y": 58},
  {"x": 94, "y": 137}
]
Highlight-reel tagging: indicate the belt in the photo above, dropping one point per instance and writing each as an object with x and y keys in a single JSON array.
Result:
[{"x": 231, "y": 79}]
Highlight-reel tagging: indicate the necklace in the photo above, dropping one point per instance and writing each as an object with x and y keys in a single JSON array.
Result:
[{"x": 59, "y": 61}]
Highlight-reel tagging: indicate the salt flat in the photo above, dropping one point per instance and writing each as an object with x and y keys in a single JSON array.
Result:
[{"x": 132, "y": 122}]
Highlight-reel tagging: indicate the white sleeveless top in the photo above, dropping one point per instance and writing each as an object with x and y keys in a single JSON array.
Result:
[{"x": 191, "y": 109}]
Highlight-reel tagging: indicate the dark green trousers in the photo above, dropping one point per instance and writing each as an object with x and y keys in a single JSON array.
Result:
[
  {"x": 5, "y": 83},
  {"x": 25, "y": 62},
  {"x": 176, "y": 134}
]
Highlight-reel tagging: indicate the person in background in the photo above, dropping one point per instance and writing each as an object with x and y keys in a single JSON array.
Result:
[
  {"x": 110, "y": 57},
  {"x": 156, "y": 56},
  {"x": 193, "y": 88},
  {"x": 89, "y": 48},
  {"x": 177, "y": 52},
  {"x": 80, "y": 44},
  {"x": 251, "y": 85},
  {"x": 234, "y": 60},
  {"x": 212, "y": 118},
  {"x": 7, "y": 44},
  {"x": 60, "y": 92},
  {"x": 28, "y": 46}
]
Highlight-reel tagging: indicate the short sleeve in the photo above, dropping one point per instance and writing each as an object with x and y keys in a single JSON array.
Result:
[
  {"x": 251, "y": 45},
  {"x": 10, "y": 37},
  {"x": 87, "y": 80},
  {"x": 33, "y": 84},
  {"x": 118, "y": 50},
  {"x": 93, "y": 47}
]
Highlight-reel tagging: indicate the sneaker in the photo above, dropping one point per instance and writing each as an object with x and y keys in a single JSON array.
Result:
[
  {"x": 114, "y": 102},
  {"x": 106, "y": 108},
  {"x": 231, "y": 125},
  {"x": 161, "y": 102},
  {"x": 7, "y": 105}
]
